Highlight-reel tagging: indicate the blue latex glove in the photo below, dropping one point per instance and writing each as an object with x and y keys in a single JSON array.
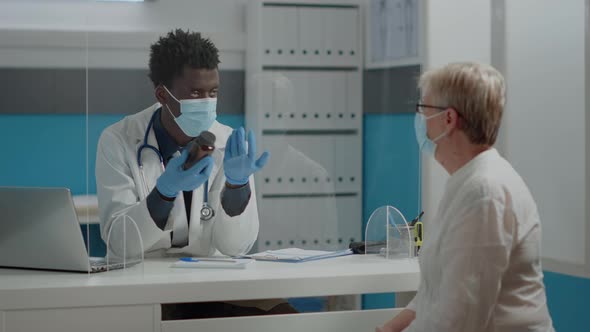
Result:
[
  {"x": 239, "y": 164},
  {"x": 175, "y": 179}
]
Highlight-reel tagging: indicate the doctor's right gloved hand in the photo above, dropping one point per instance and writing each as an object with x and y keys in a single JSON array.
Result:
[{"x": 175, "y": 179}]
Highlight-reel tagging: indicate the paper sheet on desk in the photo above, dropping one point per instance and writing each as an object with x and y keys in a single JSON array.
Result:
[
  {"x": 211, "y": 264},
  {"x": 296, "y": 255}
]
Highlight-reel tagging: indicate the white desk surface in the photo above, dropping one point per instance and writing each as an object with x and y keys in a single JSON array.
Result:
[{"x": 155, "y": 282}]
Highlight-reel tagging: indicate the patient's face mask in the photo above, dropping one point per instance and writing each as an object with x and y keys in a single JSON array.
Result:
[
  {"x": 426, "y": 144},
  {"x": 196, "y": 115}
]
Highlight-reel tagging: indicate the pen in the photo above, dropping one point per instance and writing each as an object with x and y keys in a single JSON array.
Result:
[
  {"x": 413, "y": 222},
  {"x": 208, "y": 259},
  {"x": 188, "y": 259}
]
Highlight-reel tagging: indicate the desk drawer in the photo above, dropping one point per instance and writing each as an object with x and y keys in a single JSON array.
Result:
[
  {"x": 359, "y": 320},
  {"x": 99, "y": 319}
]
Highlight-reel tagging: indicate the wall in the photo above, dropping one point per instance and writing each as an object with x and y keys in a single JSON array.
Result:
[
  {"x": 546, "y": 139},
  {"x": 118, "y": 33},
  {"x": 452, "y": 36},
  {"x": 538, "y": 56},
  {"x": 122, "y": 16},
  {"x": 567, "y": 297}
]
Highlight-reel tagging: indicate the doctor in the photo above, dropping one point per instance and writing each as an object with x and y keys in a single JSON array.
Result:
[{"x": 206, "y": 210}]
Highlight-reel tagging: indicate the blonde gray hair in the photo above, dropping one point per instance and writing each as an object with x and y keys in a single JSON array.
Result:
[{"x": 476, "y": 91}]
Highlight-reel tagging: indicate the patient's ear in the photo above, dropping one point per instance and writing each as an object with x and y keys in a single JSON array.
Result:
[{"x": 452, "y": 118}]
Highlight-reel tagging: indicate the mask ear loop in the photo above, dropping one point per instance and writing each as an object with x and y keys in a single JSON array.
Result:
[
  {"x": 169, "y": 111},
  {"x": 420, "y": 177},
  {"x": 171, "y": 95},
  {"x": 443, "y": 134}
]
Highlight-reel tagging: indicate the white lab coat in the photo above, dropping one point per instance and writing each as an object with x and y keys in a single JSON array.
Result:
[
  {"x": 122, "y": 194},
  {"x": 480, "y": 263}
]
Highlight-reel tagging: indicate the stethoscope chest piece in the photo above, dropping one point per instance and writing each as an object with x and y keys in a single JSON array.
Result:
[{"x": 207, "y": 212}]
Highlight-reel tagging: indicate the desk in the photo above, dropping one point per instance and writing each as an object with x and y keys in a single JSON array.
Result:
[{"x": 129, "y": 300}]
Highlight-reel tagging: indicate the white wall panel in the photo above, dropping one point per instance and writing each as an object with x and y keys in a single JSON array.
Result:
[
  {"x": 452, "y": 36},
  {"x": 545, "y": 121}
]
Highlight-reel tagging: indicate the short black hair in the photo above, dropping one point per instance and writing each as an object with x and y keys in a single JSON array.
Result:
[{"x": 178, "y": 49}]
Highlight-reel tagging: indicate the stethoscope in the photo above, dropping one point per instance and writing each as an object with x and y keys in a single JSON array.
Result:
[{"x": 207, "y": 211}]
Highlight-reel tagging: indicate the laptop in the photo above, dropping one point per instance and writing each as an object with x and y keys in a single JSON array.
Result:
[{"x": 39, "y": 229}]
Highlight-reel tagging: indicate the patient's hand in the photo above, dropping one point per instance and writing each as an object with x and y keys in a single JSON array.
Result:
[{"x": 399, "y": 322}]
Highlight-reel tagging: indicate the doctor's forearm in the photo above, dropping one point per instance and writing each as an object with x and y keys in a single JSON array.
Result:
[
  {"x": 159, "y": 208},
  {"x": 235, "y": 200}
]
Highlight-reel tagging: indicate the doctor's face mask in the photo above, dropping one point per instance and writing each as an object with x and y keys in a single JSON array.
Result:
[{"x": 196, "y": 115}]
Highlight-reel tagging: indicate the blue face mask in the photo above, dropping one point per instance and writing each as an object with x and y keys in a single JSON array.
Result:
[
  {"x": 196, "y": 115},
  {"x": 425, "y": 144}
]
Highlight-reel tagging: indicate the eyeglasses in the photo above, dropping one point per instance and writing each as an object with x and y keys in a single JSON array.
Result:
[{"x": 420, "y": 108}]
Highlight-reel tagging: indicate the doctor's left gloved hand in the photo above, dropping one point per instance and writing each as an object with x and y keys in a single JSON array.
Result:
[{"x": 240, "y": 162}]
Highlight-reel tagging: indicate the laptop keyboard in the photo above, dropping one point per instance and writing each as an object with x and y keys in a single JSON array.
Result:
[{"x": 101, "y": 265}]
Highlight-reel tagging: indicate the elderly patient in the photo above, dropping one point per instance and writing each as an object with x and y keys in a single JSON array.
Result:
[{"x": 480, "y": 267}]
